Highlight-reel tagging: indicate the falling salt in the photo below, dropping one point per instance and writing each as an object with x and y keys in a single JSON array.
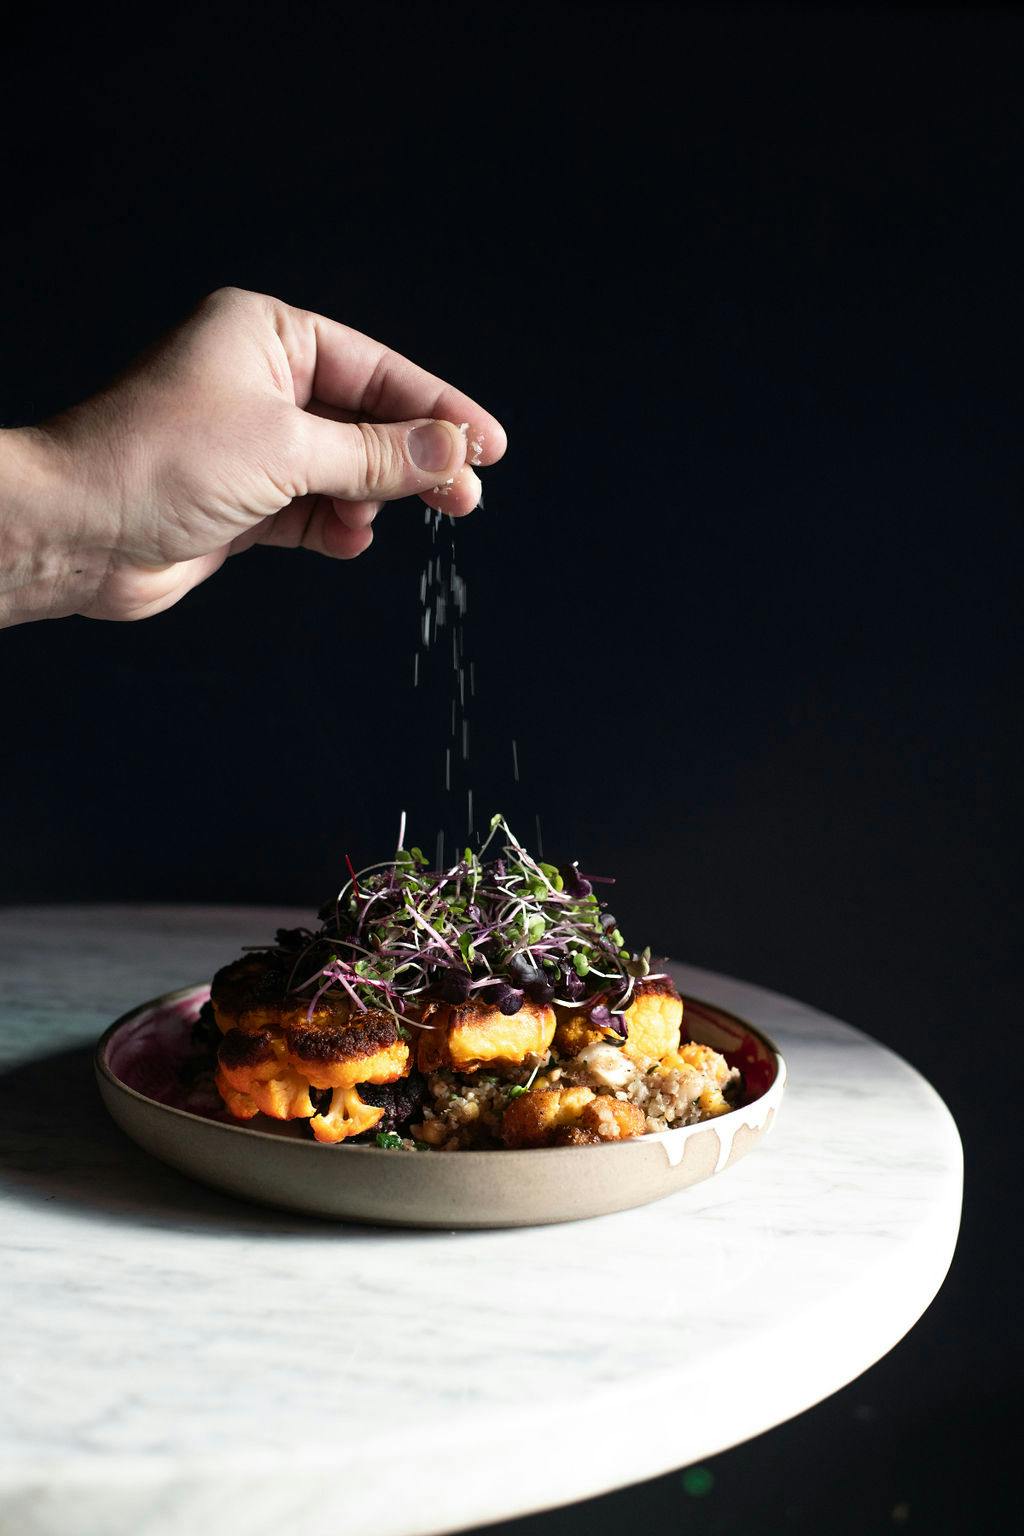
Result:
[
  {"x": 444, "y": 595},
  {"x": 540, "y": 840}
]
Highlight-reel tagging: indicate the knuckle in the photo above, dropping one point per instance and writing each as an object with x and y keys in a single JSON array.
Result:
[
  {"x": 221, "y": 298},
  {"x": 230, "y": 297},
  {"x": 379, "y": 458}
]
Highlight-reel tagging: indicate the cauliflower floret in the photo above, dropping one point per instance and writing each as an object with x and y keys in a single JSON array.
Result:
[
  {"x": 575, "y": 1033},
  {"x": 613, "y": 1119},
  {"x": 533, "y": 1119},
  {"x": 253, "y": 1075},
  {"x": 236, "y": 1103},
  {"x": 273, "y": 1071},
  {"x": 346, "y": 1116},
  {"x": 254, "y": 993},
  {"x": 367, "y": 1050},
  {"x": 576, "y": 1136},
  {"x": 706, "y": 1073},
  {"x": 652, "y": 1020},
  {"x": 282, "y": 1096},
  {"x": 473, "y": 1035}
]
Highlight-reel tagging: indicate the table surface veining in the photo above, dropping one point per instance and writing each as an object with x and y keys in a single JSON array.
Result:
[{"x": 173, "y": 1359}]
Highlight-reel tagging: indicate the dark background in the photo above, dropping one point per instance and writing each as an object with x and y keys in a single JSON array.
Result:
[{"x": 744, "y": 284}]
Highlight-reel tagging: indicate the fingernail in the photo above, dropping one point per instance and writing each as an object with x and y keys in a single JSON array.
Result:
[{"x": 430, "y": 447}]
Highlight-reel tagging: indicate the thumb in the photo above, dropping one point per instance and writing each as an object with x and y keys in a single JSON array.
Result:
[{"x": 360, "y": 461}]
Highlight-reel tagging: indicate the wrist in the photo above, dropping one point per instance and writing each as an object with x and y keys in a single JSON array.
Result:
[{"x": 54, "y": 549}]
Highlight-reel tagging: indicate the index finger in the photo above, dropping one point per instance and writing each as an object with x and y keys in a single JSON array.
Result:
[{"x": 347, "y": 369}]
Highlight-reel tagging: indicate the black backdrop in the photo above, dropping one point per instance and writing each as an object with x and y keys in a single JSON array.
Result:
[{"x": 744, "y": 286}]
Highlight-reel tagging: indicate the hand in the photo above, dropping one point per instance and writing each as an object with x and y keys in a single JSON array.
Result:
[{"x": 252, "y": 423}]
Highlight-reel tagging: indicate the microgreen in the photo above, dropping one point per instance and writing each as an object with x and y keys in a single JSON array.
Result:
[{"x": 494, "y": 930}]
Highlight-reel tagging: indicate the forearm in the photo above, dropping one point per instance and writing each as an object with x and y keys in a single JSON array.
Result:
[{"x": 52, "y": 559}]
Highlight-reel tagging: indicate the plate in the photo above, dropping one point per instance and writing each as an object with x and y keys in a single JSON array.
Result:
[{"x": 141, "y": 1066}]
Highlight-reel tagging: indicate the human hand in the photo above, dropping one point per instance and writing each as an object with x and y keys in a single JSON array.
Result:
[{"x": 251, "y": 423}]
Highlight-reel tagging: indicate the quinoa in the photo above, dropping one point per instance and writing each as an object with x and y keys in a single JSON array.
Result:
[
  {"x": 669, "y": 1098},
  {"x": 465, "y": 1110}
]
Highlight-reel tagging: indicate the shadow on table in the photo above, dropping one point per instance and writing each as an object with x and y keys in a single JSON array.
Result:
[{"x": 57, "y": 1144}]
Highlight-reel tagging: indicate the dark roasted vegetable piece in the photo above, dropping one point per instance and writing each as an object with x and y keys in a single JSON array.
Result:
[{"x": 400, "y": 1101}]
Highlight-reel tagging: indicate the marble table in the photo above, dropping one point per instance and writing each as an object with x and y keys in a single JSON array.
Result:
[{"x": 173, "y": 1360}]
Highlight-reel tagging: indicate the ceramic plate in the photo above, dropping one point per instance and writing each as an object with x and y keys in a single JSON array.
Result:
[{"x": 142, "y": 1066}]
